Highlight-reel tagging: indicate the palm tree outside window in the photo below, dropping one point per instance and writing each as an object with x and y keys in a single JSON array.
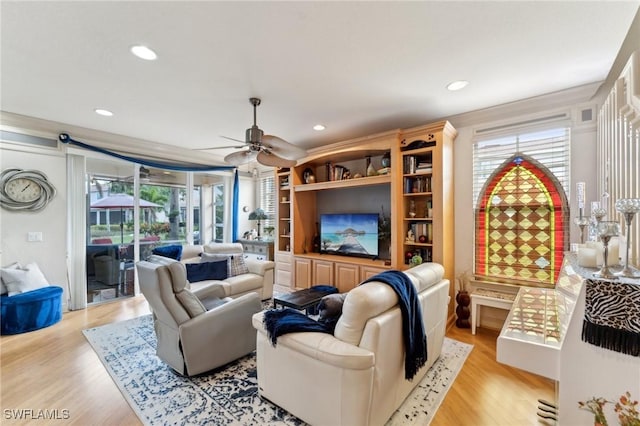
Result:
[{"x": 218, "y": 213}]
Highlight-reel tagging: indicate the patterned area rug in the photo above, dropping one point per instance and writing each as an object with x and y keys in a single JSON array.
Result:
[{"x": 229, "y": 396}]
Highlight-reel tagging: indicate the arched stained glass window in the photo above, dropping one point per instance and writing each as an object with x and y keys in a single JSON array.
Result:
[{"x": 521, "y": 223}]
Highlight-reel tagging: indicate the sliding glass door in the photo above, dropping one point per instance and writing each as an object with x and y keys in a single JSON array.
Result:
[{"x": 163, "y": 217}]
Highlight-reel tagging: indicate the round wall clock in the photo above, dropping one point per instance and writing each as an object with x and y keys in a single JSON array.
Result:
[{"x": 25, "y": 190}]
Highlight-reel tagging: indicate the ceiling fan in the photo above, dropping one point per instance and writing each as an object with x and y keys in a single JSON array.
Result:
[
  {"x": 147, "y": 175},
  {"x": 267, "y": 150}
]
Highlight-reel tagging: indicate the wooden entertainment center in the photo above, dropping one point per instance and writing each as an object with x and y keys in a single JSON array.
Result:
[{"x": 416, "y": 188}]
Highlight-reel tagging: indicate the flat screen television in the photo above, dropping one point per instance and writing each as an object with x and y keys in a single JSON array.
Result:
[{"x": 349, "y": 234}]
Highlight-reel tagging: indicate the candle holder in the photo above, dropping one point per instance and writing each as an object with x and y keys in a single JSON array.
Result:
[
  {"x": 606, "y": 230},
  {"x": 599, "y": 214},
  {"x": 628, "y": 207},
  {"x": 581, "y": 222}
]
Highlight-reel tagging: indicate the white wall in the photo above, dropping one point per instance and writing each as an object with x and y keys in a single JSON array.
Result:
[{"x": 51, "y": 253}]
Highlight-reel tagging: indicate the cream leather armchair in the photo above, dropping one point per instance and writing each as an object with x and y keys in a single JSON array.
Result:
[
  {"x": 356, "y": 376},
  {"x": 196, "y": 332}
]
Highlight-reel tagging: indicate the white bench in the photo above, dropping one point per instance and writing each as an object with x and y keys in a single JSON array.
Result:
[{"x": 485, "y": 297}]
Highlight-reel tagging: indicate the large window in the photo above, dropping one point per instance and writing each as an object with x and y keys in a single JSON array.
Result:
[
  {"x": 268, "y": 200},
  {"x": 163, "y": 213},
  {"x": 218, "y": 213},
  {"x": 111, "y": 213},
  {"x": 521, "y": 209}
]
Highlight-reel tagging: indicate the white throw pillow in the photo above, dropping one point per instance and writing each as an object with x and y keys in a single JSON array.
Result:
[
  {"x": 3, "y": 288},
  {"x": 24, "y": 279}
]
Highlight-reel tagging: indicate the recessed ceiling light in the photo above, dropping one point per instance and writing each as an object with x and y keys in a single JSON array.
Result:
[
  {"x": 104, "y": 112},
  {"x": 319, "y": 127},
  {"x": 457, "y": 85},
  {"x": 143, "y": 52}
]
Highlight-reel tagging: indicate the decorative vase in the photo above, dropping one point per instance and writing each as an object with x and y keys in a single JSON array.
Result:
[
  {"x": 463, "y": 311},
  {"x": 386, "y": 159},
  {"x": 371, "y": 171}
]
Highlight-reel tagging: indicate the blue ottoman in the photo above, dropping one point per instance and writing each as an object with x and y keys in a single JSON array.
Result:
[{"x": 30, "y": 311}]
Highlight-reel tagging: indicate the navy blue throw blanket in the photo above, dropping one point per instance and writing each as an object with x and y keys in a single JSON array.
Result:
[
  {"x": 415, "y": 338},
  {"x": 283, "y": 321}
]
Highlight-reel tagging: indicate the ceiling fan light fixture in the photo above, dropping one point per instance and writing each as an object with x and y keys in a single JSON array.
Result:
[
  {"x": 319, "y": 127},
  {"x": 240, "y": 157},
  {"x": 144, "y": 52},
  {"x": 267, "y": 150},
  {"x": 457, "y": 85}
]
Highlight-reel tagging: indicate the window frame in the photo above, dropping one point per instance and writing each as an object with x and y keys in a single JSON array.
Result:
[
  {"x": 503, "y": 148},
  {"x": 267, "y": 198},
  {"x": 218, "y": 204}
]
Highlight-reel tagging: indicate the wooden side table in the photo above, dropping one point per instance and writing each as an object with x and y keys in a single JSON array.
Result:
[{"x": 483, "y": 297}]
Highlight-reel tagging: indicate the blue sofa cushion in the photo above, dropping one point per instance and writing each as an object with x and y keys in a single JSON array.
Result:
[
  {"x": 30, "y": 311},
  {"x": 206, "y": 271},
  {"x": 173, "y": 251}
]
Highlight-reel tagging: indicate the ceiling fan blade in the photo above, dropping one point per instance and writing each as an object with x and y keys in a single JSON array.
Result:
[
  {"x": 240, "y": 157},
  {"x": 220, "y": 147},
  {"x": 283, "y": 148},
  {"x": 232, "y": 139},
  {"x": 267, "y": 158}
]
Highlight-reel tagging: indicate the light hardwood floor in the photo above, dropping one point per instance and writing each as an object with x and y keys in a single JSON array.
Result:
[{"x": 56, "y": 369}]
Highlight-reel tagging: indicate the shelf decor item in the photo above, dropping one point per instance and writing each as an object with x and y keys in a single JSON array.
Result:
[
  {"x": 308, "y": 176},
  {"x": 258, "y": 215},
  {"x": 371, "y": 171},
  {"x": 628, "y": 207},
  {"x": 412, "y": 208},
  {"x": 386, "y": 159},
  {"x": 606, "y": 230}
]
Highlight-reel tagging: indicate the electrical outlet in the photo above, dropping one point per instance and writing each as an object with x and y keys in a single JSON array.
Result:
[{"x": 34, "y": 236}]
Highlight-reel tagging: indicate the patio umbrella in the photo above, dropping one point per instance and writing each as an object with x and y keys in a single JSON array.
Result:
[{"x": 121, "y": 201}]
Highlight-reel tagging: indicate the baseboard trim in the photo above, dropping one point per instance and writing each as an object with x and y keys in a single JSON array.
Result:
[{"x": 451, "y": 321}]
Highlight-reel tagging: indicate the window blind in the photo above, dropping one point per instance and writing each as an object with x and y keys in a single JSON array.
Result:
[
  {"x": 268, "y": 199},
  {"x": 550, "y": 147}
]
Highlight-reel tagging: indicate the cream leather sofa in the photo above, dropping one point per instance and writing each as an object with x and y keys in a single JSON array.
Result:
[
  {"x": 258, "y": 280},
  {"x": 356, "y": 376}
]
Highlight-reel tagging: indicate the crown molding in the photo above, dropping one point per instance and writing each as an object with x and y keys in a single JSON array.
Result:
[
  {"x": 564, "y": 99},
  {"x": 120, "y": 143}
]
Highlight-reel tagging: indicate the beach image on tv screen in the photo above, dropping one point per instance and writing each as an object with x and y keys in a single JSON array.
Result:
[{"x": 349, "y": 234}]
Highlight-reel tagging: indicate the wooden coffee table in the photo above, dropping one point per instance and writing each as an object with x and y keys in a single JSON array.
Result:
[{"x": 301, "y": 299}]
